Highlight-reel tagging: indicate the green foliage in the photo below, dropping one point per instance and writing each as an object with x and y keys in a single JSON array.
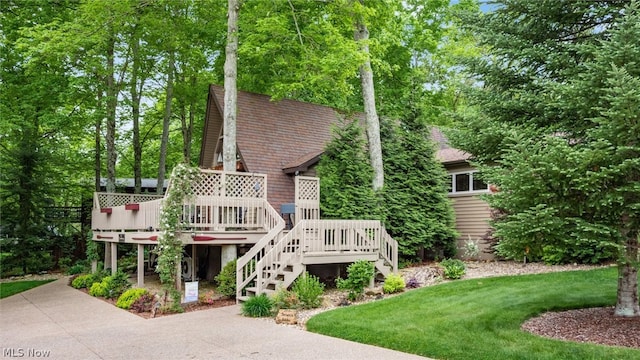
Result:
[
  {"x": 258, "y": 306},
  {"x": 226, "y": 279},
  {"x": 129, "y": 297},
  {"x": 453, "y": 268},
  {"x": 84, "y": 281},
  {"x": 562, "y": 144},
  {"x": 77, "y": 268},
  {"x": 110, "y": 287},
  {"x": 346, "y": 177},
  {"x": 285, "y": 299},
  {"x": 308, "y": 290},
  {"x": 116, "y": 284},
  {"x": 98, "y": 289},
  {"x": 419, "y": 213},
  {"x": 359, "y": 275},
  {"x": 169, "y": 248},
  {"x": 393, "y": 283}
]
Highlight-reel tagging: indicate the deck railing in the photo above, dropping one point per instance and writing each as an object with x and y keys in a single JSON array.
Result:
[
  {"x": 317, "y": 237},
  {"x": 222, "y": 200}
]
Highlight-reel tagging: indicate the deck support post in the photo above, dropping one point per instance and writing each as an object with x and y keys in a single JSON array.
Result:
[
  {"x": 107, "y": 255},
  {"x": 194, "y": 272},
  {"x": 140, "y": 265},
  {"x": 114, "y": 258},
  {"x": 228, "y": 254}
]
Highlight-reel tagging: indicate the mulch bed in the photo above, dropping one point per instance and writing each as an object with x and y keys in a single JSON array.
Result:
[{"x": 594, "y": 325}]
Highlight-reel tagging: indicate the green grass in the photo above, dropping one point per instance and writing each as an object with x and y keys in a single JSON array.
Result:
[
  {"x": 12, "y": 288},
  {"x": 478, "y": 318}
]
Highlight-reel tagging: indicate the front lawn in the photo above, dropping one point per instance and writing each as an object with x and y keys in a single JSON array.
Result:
[
  {"x": 12, "y": 288},
  {"x": 478, "y": 318}
]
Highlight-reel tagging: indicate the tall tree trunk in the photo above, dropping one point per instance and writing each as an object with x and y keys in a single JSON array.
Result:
[
  {"x": 162, "y": 164},
  {"x": 186, "y": 119},
  {"x": 627, "y": 304},
  {"x": 98, "y": 136},
  {"x": 111, "y": 116},
  {"x": 230, "y": 88},
  {"x": 361, "y": 36},
  {"x": 135, "y": 115}
]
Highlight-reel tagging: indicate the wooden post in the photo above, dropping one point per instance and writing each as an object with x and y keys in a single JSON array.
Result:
[
  {"x": 140, "y": 265},
  {"x": 114, "y": 258},
  {"x": 107, "y": 255}
]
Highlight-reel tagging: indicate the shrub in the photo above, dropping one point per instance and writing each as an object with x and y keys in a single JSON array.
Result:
[
  {"x": 359, "y": 275},
  {"x": 144, "y": 303},
  {"x": 257, "y": 306},
  {"x": 76, "y": 269},
  {"x": 129, "y": 297},
  {"x": 453, "y": 268},
  {"x": 116, "y": 284},
  {"x": 98, "y": 289},
  {"x": 308, "y": 290},
  {"x": 83, "y": 281},
  {"x": 227, "y": 279},
  {"x": 393, "y": 283},
  {"x": 285, "y": 299}
]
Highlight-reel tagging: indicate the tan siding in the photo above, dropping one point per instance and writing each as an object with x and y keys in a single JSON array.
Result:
[{"x": 472, "y": 216}]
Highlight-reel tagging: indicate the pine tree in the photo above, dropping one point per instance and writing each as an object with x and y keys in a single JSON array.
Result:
[
  {"x": 346, "y": 175},
  {"x": 419, "y": 214},
  {"x": 557, "y": 129}
]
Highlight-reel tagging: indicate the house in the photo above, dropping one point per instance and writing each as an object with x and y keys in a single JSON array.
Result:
[{"x": 240, "y": 214}]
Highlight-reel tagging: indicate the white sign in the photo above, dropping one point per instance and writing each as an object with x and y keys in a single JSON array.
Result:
[{"x": 190, "y": 291}]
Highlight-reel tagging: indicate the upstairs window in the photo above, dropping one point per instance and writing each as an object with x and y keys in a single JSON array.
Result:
[{"x": 465, "y": 182}]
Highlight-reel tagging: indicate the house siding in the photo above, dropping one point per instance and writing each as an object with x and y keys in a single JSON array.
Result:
[{"x": 472, "y": 221}]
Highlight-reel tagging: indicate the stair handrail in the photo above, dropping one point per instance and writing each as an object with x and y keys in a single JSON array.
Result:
[
  {"x": 245, "y": 271},
  {"x": 280, "y": 248},
  {"x": 388, "y": 248}
]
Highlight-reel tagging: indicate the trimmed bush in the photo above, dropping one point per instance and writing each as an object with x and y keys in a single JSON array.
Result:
[
  {"x": 83, "y": 281},
  {"x": 393, "y": 283},
  {"x": 116, "y": 284},
  {"x": 453, "y": 268},
  {"x": 227, "y": 279},
  {"x": 129, "y": 297},
  {"x": 98, "y": 289},
  {"x": 360, "y": 274},
  {"x": 308, "y": 290},
  {"x": 257, "y": 306}
]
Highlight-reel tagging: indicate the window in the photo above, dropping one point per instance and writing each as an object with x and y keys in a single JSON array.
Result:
[{"x": 466, "y": 182}]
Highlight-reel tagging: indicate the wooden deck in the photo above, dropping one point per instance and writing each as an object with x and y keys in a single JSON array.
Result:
[{"x": 232, "y": 209}]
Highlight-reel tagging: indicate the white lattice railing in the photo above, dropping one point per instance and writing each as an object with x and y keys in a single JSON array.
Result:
[
  {"x": 318, "y": 237},
  {"x": 307, "y": 198},
  {"x": 108, "y": 200},
  {"x": 222, "y": 200}
]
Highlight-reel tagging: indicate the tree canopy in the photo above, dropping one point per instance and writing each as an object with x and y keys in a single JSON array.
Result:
[{"x": 555, "y": 128}]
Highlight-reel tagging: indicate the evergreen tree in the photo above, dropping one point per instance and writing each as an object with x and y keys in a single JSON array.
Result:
[
  {"x": 346, "y": 175},
  {"x": 419, "y": 213},
  {"x": 557, "y": 130}
]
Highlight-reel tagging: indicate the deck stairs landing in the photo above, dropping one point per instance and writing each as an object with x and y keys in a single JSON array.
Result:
[{"x": 315, "y": 241}]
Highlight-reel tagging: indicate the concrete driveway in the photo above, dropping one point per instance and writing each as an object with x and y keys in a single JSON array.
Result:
[{"x": 55, "y": 321}]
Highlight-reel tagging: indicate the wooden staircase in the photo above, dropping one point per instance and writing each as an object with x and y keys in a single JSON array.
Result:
[{"x": 278, "y": 262}]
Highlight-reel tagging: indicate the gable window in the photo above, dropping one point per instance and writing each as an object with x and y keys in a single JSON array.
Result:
[{"x": 465, "y": 182}]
